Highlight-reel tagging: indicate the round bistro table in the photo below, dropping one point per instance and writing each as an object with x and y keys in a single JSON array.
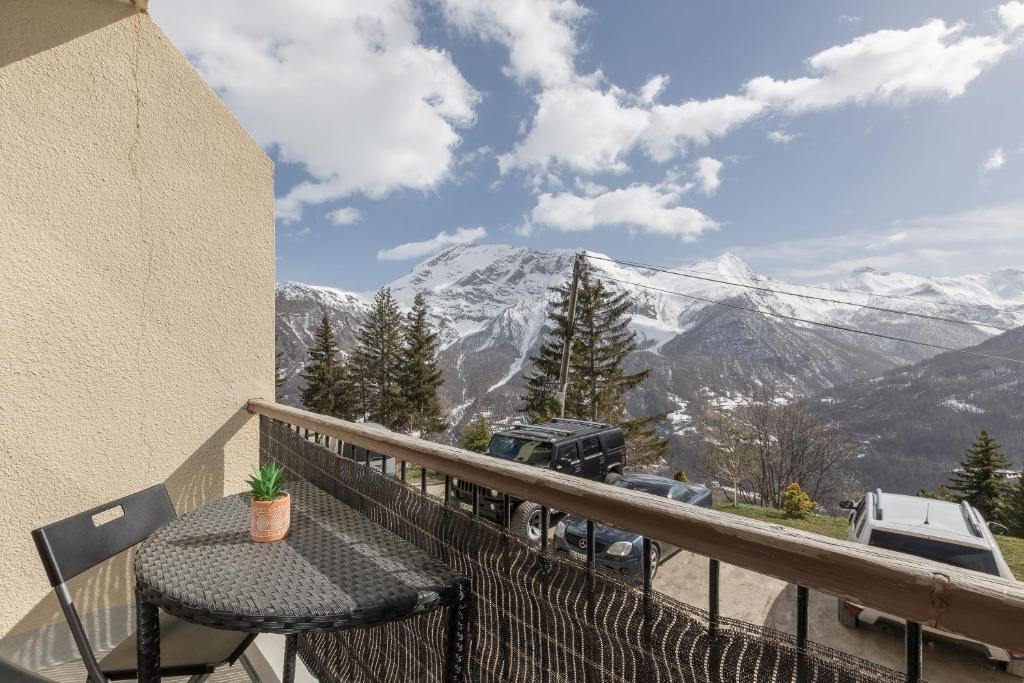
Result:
[{"x": 335, "y": 570}]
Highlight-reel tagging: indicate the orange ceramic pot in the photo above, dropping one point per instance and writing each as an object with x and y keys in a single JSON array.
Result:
[{"x": 269, "y": 519}]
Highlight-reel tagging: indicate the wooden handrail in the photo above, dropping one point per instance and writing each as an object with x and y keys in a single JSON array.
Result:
[{"x": 985, "y": 608}]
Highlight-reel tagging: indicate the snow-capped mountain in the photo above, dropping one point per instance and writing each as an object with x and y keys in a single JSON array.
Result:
[{"x": 489, "y": 303}]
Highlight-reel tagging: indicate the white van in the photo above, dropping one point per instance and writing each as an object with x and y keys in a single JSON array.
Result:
[{"x": 937, "y": 530}]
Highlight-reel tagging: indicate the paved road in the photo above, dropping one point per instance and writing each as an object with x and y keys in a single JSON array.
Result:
[{"x": 765, "y": 601}]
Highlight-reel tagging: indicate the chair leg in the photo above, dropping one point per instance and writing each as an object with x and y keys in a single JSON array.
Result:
[{"x": 458, "y": 634}]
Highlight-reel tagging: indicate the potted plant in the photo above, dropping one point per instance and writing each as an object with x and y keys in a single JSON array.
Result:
[{"x": 270, "y": 511}]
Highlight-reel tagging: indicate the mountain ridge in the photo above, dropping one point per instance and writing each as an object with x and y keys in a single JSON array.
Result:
[{"x": 489, "y": 304}]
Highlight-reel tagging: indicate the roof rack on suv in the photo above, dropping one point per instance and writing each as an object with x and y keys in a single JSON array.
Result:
[
  {"x": 539, "y": 429},
  {"x": 972, "y": 523},
  {"x": 580, "y": 422}
]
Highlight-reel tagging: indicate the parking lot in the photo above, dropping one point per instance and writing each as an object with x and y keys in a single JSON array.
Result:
[{"x": 762, "y": 600}]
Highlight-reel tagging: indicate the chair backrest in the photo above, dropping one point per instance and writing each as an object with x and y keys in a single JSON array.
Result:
[{"x": 73, "y": 545}]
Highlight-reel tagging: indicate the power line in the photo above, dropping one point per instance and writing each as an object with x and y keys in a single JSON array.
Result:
[
  {"x": 833, "y": 326},
  {"x": 944, "y": 302},
  {"x": 925, "y": 316}
]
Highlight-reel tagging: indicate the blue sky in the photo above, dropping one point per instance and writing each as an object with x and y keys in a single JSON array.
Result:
[{"x": 808, "y": 137}]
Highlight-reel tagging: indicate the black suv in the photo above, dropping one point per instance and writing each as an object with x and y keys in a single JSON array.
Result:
[{"x": 591, "y": 450}]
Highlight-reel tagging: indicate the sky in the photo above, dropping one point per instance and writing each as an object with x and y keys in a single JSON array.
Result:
[{"x": 810, "y": 138}]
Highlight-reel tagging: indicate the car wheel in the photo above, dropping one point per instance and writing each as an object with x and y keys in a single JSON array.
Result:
[
  {"x": 612, "y": 477},
  {"x": 655, "y": 561},
  {"x": 526, "y": 522},
  {"x": 846, "y": 617},
  {"x": 1015, "y": 667}
]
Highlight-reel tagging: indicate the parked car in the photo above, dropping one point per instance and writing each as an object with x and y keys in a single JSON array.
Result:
[
  {"x": 592, "y": 450},
  {"x": 622, "y": 551},
  {"x": 953, "y": 533}
]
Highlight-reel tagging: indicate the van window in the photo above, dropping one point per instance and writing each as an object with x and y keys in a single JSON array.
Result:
[
  {"x": 965, "y": 556},
  {"x": 528, "y": 451},
  {"x": 591, "y": 446},
  {"x": 569, "y": 451},
  {"x": 614, "y": 440}
]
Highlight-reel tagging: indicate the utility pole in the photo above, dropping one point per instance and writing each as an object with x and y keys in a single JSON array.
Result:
[{"x": 570, "y": 323}]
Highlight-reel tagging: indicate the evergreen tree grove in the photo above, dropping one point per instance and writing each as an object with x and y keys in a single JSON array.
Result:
[
  {"x": 374, "y": 368},
  {"x": 1013, "y": 509},
  {"x": 420, "y": 376},
  {"x": 597, "y": 379},
  {"x": 980, "y": 481},
  {"x": 323, "y": 372},
  {"x": 476, "y": 435}
]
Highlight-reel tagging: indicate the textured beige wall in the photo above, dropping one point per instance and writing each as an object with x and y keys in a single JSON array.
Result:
[{"x": 136, "y": 283}]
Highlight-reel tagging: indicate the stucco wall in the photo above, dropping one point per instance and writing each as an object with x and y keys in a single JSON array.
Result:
[{"x": 136, "y": 283}]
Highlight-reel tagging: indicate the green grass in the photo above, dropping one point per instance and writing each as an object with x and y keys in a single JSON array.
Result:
[
  {"x": 1011, "y": 547},
  {"x": 1013, "y": 552}
]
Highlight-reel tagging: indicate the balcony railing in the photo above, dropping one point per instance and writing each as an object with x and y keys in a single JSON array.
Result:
[{"x": 541, "y": 616}]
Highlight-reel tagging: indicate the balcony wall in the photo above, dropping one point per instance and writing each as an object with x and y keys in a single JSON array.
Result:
[{"x": 136, "y": 284}]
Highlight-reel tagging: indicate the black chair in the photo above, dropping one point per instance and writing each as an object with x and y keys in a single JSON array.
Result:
[{"x": 69, "y": 547}]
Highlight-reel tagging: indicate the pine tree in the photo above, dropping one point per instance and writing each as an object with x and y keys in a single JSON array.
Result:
[
  {"x": 476, "y": 435},
  {"x": 597, "y": 380},
  {"x": 279, "y": 375},
  {"x": 1013, "y": 509},
  {"x": 420, "y": 376},
  {"x": 375, "y": 364},
  {"x": 323, "y": 372},
  {"x": 980, "y": 481}
]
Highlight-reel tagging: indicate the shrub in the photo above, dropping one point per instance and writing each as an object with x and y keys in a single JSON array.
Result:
[
  {"x": 796, "y": 503},
  {"x": 681, "y": 476}
]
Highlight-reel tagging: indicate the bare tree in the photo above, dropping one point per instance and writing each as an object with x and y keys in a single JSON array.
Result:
[
  {"x": 793, "y": 446},
  {"x": 730, "y": 454}
]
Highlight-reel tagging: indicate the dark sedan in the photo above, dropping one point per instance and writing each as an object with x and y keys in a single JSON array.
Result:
[{"x": 622, "y": 551}]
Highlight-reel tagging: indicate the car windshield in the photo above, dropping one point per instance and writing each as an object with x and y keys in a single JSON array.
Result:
[
  {"x": 639, "y": 485},
  {"x": 967, "y": 557},
  {"x": 526, "y": 451},
  {"x": 687, "y": 494}
]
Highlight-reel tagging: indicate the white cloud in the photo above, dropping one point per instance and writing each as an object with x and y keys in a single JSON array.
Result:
[
  {"x": 346, "y": 215},
  {"x": 889, "y": 66},
  {"x": 708, "y": 172},
  {"x": 996, "y": 160},
  {"x": 343, "y": 88},
  {"x": 411, "y": 250},
  {"x": 1012, "y": 15},
  {"x": 589, "y": 125},
  {"x": 539, "y": 34},
  {"x": 653, "y": 209},
  {"x": 848, "y": 19},
  {"x": 580, "y": 125},
  {"x": 782, "y": 137},
  {"x": 696, "y": 122},
  {"x": 979, "y": 240}
]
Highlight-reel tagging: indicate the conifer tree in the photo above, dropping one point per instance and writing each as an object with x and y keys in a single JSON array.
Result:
[
  {"x": 1013, "y": 509},
  {"x": 476, "y": 435},
  {"x": 375, "y": 364},
  {"x": 279, "y": 375},
  {"x": 420, "y": 376},
  {"x": 597, "y": 380},
  {"x": 323, "y": 372},
  {"x": 980, "y": 481}
]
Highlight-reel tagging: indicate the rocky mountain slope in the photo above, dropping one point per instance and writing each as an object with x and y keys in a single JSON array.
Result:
[
  {"x": 914, "y": 423},
  {"x": 489, "y": 303}
]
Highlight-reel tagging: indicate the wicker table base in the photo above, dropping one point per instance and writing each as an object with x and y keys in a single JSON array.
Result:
[{"x": 335, "y": 570}]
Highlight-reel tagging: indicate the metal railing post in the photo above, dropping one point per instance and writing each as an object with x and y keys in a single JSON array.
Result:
[
  {"x": 802, "y": 605},
  {"x": 914, "y": 658}
]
